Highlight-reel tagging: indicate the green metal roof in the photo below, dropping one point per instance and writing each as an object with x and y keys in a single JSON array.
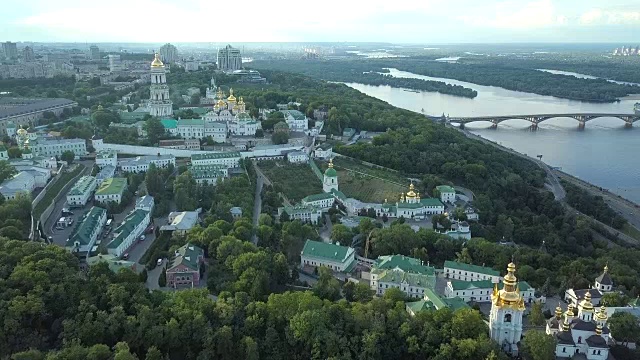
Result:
[
  {"x": 207, "y": 171},
  {"x": 132, "y": 117},
  {"x": 243, "y": 116},
  {"x": 82, "y": 185},
  {"x": 403, "y": 263},
  {"x": 127, "y": 226},
  {"x": 169, "y": 123},
  {"x": 431, "y": 202},
  {"x": 294, "y": 113},
  {"x": 431, "y": 295},
  {"x": 466, "y": 285},
  {"x": 112, "y": 186},
  {"x": 331, "y": 172},
  {"x": 420, "y": 305},
  {"x": 82, "y": 232},
  {"x": 445, "y": 189},
  {"x": 316, "y": 197},
  {"x": 188, "y": 256},
  {"x": 456, "y": 303},
  {"x": 215, "y": 155},
  {"x": 197, "y": 110},
  {"x": 115, "y": 263},
  {"x": 323, "y": 250},
  {"x": 523, "y": 285},
  {"x": 339, "y": 194},
  {"x": 400, "y": 277},
  {"x": 470, "y": 267}
]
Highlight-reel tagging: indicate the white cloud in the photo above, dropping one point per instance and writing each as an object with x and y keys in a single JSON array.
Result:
[
  {"x": 610, "y": 17},
  {"x": 515, "y": 15}
]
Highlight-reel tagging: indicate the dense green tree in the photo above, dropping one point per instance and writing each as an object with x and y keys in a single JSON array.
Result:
[
  {"x": 341, "y": 234},
  {"x": 280, "y": 138},
  {"x": 6, "y": 170},
  {"x": 624, "y": 327},
  {"x": 327, "y": 287},
  {"x": 535, "y": 314},
  {"x": 614, "y": 299},
  {"x": 537, "y": 345},
  {"x": 14, "y": 152},
  {"x": 68, "y": 156},
  {"x": 155, "y": 130}
]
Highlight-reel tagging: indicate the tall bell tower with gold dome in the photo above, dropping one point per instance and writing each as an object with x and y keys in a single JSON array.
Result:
[
  {"x": 507, "y": 309},
  {"x": 159, "y": 104}
]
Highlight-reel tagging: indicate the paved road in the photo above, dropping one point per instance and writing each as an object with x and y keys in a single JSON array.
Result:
[
  {"x": 624, "y": 207},
  {"x": 257, "y": 204},
  {"x": 138, "y": 249}
]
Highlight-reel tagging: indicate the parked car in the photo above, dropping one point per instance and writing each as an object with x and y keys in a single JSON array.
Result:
[
  {"x": 159, "y": 262},
  {"x": 125, "y": 256},
  {"x": 141, "y": 238}
]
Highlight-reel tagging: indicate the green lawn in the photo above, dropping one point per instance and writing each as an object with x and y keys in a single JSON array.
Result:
[
  {"x": 366, "y": 188},
  {"x": 382, "y": 173},
  {"x": 55, "y": 190},
  {"x": 294, "y": 181},
  {"x": 631, "y": 231}
]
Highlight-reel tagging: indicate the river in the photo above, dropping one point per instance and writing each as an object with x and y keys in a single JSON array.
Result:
[{"x": 604, "y": 153}]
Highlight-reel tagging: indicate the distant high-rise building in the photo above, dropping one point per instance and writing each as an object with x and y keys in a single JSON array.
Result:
[
  {"x": 114, "y": 63},
  {"x": 160, "y": 104},
  {"x": 27, "y": 54},
  {"x": 10, "y": 50},
  {"x": 94, "y": 51},
  {"x": 168, "y": 53},
  {"x": 229, "y": 59}
]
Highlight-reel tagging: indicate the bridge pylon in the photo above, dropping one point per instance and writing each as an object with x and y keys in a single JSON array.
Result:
[
  {"x": 533, "y": 127},
  {"x": 581, "y": 125}
]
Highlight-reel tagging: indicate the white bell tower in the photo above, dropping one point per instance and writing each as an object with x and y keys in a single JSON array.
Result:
[
  {"x": 159, "y": 103},
  {"x": 330, "y": 180},
  {"x": 507, "y": 309}
]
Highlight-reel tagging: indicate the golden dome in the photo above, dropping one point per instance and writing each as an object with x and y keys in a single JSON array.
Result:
[
  {"x": 565, "y": 324},
  {"x": 330, "y": 163},
  {"x": 100, "y": 108},
  {"x": 510, "y": 293},
  {"x": 219, "y": 94},
  {"x": 157, "y": 62},
  {"x": 411, "y": 193},
  {"x": 586, "y": 304},
  {"x": 240, "y": 101},
  {"x": 599, "y": 329},
  {"x": 570, "y": 312},
  {"x": 220, "y": 103},
  {"x": 558, "y": 312},
  {"x": 231, "y": 98},
  {"x": 602, "y": 314},
  {"x": 21, "y": 132}
]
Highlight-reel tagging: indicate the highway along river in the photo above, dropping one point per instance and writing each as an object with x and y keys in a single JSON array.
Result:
[{"x": 604, "y": 153}]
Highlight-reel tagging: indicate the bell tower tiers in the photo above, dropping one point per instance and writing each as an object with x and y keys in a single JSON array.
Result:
[
  {"x": 330, "y": 181},
  {"x": 159, "y": 103},
  {"x": 507, "y": 309}
]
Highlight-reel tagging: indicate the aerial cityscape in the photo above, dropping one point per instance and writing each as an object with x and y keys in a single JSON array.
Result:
[{"x": 470, "y": 195}]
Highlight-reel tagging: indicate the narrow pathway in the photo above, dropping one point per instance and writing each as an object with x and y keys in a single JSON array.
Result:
[{"x": 257, "y": 203}]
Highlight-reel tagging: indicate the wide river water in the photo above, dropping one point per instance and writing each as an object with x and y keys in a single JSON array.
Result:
[{"x": 604, "y": 153}]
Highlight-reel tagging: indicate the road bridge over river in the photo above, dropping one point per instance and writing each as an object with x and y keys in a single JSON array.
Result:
[{"x": 536, "y": 119}]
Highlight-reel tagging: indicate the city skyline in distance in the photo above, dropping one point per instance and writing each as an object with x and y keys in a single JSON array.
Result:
[{"x": 415, "y": 21}]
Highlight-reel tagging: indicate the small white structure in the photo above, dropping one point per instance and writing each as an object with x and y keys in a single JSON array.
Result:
[
  {"x": 447, "y": 193},
  {"x": 467, "y": 272},
  {"x": 182, "y": 221},
  {"x": 82, "y": 191},
  {"x": 236, "y": 212},
  {"x": 111, "y": 190},
  {"x": 323, "y": 151},
  {"x": 335, "y": 257},
  {"x": 41, "y": 175},
  {"x": 128, "y": 232},
  {"x": 106, "y": 157},
  {"x": 145, "y": 203},
  {"x": 23, "y": 182},
  {"x": 297, "y": 157}
]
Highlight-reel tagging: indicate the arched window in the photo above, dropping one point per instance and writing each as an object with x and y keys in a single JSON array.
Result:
[
  {"x": 507, "y": 318},
  {"x": 579, "y": 339}
]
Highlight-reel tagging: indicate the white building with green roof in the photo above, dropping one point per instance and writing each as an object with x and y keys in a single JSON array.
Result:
[
  {"x": 128, "y": 232},
  {"x": 477, "y": 291},
  {"x": 230, "y": 159},
  {"x": 402, "y": 272},
  {"x": 140, "y": 164},
  {"x": 209, "y": 174},
  {"x": 335, "y": 257},
  {"x": 432, "y": 301},
  {"x": 330, "y": 178},
  {"x": 306, "y": 214},
  {"x": 323, "y": 201},
  {"x": 84, "y": 235},
  {"x": 111, "y": 190},
  {"x": 468, "y": 272},
  {"x": 81, "y": 191},
  {"x": 296, "y": 120},
  {"x": 106, "y": 157},
  {"x": 447, "y": 193}
]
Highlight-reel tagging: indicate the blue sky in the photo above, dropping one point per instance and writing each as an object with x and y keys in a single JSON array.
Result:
[{"x": 409, "y": 21}]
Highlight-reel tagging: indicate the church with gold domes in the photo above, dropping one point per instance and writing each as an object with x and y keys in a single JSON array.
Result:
[
  {"x": 232, "y": 111},
  {"x": 584, "y": 334},
  {"x": 507, "y": 310}
]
